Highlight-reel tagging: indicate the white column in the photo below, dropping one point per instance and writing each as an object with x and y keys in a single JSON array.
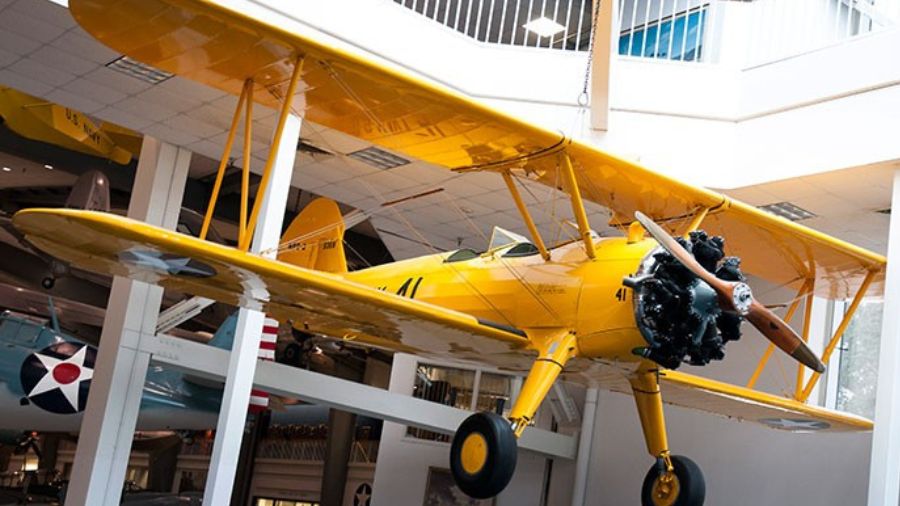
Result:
[
  {"x": 606, "y": 52},
  {"x": 884, "y": 470},
  {"x": 242, "y": 361},
  {"x": 585, "y": 444},
  {"x": 104, "y": 443}
]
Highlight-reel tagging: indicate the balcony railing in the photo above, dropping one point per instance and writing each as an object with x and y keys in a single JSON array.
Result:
[
  {"x": 503, "y": 21},
  {"x": 680, "y": 30}
]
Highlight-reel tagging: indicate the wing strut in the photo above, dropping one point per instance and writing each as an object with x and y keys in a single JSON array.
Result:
[
  {"x": 804, "y": 289},
  {"x": 578, "y": 206},
  {"x": 248, "y": 226},
  {"x": 838, "y": 334},
  {"x": 807, "y": 322},
  {"x": 223, "y": 163},
  {"x": 696, "y": 221},
  {"x": 526, "y": 216}
]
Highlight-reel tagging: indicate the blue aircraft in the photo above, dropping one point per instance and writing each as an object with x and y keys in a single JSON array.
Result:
[{"x": 45, "y": 377}]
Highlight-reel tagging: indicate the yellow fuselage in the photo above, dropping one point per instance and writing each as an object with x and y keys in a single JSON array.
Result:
[{"x": 528, "y": 293}]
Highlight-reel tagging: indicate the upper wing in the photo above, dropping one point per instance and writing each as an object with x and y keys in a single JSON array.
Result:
[
  {"x": 319, "y": 302},
  {"x": 373, "y": 100},
  {"x": 731, "y": 401}
]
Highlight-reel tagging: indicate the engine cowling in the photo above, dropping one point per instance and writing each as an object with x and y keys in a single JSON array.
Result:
[{"x": 677, "y": 313}]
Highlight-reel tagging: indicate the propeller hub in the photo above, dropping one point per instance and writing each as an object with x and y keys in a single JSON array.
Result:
[{"x": 742, "y": 298}]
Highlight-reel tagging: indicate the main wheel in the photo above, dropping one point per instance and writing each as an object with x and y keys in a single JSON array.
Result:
[
  {"x": 685, "y": 488},
  {"x": 483, "y": 455}
]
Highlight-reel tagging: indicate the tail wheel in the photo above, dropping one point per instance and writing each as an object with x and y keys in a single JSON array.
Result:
[
  {"x": 483, "y": 455},
  {"x": 684, "y": 487}
]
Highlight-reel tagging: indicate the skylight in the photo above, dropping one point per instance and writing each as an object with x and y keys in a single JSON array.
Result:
[
  {"x": 544, "y": 27},
  {"x": 138, "y": 70},
  {"x": 788, "y": 210},
  {"x": 378, "y": 158}
]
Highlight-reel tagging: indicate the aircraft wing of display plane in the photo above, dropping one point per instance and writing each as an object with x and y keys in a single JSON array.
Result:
[{"x": 618, "y": 312}]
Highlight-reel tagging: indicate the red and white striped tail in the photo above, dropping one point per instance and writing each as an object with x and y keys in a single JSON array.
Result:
[{"x": 259, "y": 399}]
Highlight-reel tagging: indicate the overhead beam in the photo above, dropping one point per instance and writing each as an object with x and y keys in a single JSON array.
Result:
[{"x": 279, "y": 379}]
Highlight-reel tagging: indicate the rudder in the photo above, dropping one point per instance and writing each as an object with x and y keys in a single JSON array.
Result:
[{"x": 315, "y": 239}]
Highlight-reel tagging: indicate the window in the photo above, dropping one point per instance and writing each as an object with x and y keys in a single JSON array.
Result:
[
  {"x": 858, "y": 370},
  {"x": 444, "y": 385},
  {"x": 679, "y": 40},
  {"x": 461, "y": 255},
  {"x": 524, "y": 249},
  {"x": 493, "y": 393},
  {"x": 460, "y": 388}
]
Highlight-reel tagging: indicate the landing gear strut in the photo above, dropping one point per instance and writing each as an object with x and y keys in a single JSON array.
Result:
[
  {"x": 484, "y": 449},
  {"x": 673, "y": 480}
]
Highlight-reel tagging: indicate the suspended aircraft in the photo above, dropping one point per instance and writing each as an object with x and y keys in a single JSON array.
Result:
[
  {"x": 44, "y": 121},
  {"x": 621, "y": 313},
  {"x": 45, "y": 378}
]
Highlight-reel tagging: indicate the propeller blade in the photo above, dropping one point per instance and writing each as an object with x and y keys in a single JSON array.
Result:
[
  {"x": 783, "y": 336},
  {"x": 735, "y": 294},
  {"x": 682, "y": 255}
]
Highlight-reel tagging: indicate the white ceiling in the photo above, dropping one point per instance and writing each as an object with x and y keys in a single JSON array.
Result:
[
  {"x": 846, "y": 202},
  {"x": 43, "y": 52}
]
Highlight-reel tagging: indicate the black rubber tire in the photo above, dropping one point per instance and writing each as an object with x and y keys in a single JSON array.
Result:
[
  {"x": 292, "y": 355},
  {"x": 500, "y": 462},
  {"x": 690, "y": 479},
  {"x": 48, "y": 283}
]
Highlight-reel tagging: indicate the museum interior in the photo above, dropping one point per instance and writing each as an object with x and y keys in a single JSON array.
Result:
[{"x": 449, "y": 252}]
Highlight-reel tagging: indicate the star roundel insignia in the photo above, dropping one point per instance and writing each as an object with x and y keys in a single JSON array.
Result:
[
  {"x": 58, "y": 377},
  {"x": 363, "y": 495},
  {"x": 795, "y": 424},
  {"x": 165, "y": 263}
]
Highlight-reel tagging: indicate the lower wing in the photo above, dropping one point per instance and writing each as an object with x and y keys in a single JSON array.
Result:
[
  {"x": 724, "y": 399},
  {"x": 318, "y": 302}
]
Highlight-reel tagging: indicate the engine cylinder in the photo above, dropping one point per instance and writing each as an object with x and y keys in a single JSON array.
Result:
[{"x": 678, "y": 314}]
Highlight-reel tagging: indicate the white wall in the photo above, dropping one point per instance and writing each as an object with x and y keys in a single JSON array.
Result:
[
  {"x": 744, "y": 464},
  {"x": 722, "y": 125},
  {"x": 401, "y": 472}
]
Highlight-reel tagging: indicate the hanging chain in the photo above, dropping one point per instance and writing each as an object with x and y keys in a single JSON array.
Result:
[{"x": 583, "y": 97}]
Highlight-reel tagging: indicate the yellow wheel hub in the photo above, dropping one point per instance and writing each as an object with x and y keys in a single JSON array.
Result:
[
  {"x": 474, "y": 453},
  {"x": 666, "y": 490}
]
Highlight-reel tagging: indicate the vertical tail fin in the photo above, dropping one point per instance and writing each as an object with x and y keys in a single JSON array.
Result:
[
  {"x": 315, "y": 239},
  {"x": 90, "y": 192}
]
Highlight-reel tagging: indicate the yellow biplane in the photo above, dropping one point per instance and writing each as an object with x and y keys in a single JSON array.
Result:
[{"x": 615, "y": 312}]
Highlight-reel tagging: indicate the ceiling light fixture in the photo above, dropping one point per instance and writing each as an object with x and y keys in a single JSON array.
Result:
[
  {"x": 788, "y": 211},
  {"x": 544, "y": 27},
  {"x": 7, "y": 169},
  {"x": 378, "y": 158},
  {"x": 48, "y": 166},
  {"x": 138, "y": 70}
]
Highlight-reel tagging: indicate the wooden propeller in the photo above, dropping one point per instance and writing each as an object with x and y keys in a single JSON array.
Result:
[{"x": 737, "y": 297}]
